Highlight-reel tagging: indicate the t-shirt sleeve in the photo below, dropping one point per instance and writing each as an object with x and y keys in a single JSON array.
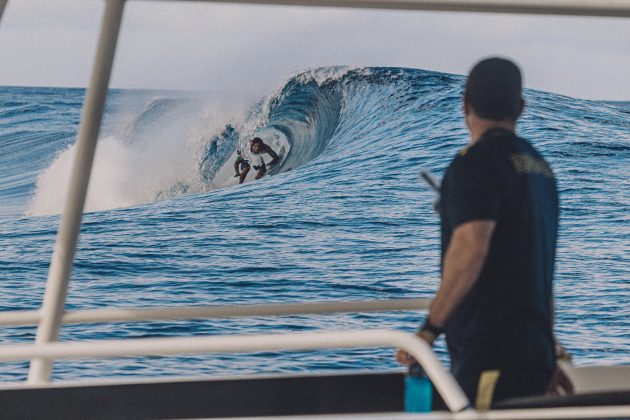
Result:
[{"x": 474, "y": 193}]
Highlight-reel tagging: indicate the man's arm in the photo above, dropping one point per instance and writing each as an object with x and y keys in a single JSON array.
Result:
[
  {"x": 274, "y": 156},
  {"x": 463, "y": 262}
]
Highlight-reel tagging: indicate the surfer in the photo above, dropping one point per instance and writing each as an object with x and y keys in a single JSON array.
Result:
[
  {"x": 241, "y": 167},
  {"x": 258, "y": 147},
  {"x": 499, "y": 211}
]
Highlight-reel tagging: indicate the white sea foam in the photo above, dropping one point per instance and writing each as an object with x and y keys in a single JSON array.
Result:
[{"x": 127, "y": 173}]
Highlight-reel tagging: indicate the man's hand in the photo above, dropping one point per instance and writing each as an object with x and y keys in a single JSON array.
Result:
[
  {"x": 560, "y": 384},
  {"x": 405, "y": 358},
  {"x": 463, "y": 262}
]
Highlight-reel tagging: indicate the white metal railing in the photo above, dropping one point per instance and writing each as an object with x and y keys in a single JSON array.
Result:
[
  {"x": 420, "y": 350},
  {"x": 15, "y": 318}
]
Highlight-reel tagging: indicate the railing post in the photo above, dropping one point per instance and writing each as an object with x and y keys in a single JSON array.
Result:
[
  {"x": 3, "y": 3},
  {"x": 67, "y": 237}
]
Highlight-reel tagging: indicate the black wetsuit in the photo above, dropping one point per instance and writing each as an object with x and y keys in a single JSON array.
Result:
[
  {"x": 262, "y": 166},
  {"x": 505, "y": 322}
]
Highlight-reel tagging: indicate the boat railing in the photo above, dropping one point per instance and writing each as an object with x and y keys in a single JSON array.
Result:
[
  {"x": 443, "y": 381},
  {"x": 17, "y": 318}
]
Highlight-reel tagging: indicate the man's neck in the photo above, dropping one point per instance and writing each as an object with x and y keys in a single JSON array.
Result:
[{"x": 480, "y": 126}]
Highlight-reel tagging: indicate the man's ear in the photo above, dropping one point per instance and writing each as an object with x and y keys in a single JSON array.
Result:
[{"x": 466, "y": 106}]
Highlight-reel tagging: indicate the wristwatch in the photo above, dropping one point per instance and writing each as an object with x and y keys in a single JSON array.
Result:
[{"x": 434, "y": 330}]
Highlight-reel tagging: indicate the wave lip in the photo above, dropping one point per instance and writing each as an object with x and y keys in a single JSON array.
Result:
[{"x": 306, "y": 112}]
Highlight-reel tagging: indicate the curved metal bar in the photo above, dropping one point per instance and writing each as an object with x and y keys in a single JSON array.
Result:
[
  {"x": 443, "y": 381},
  {"x": 63, "y": 255}
]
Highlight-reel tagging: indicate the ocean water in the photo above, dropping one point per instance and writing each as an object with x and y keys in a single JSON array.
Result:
[{"x": 344, "y": 216}]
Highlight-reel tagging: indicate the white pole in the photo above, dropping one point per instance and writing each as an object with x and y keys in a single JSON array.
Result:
[
  {"x": 3, "y": 3},
  {"x": 63, "y": 255},
  {"x": 207, "y": 312}
]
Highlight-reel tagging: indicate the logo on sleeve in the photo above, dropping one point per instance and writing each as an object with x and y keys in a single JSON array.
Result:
[{"x": 527, "y": 164}]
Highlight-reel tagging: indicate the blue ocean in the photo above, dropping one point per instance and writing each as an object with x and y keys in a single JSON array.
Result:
[{"x": 344, "y": 216}]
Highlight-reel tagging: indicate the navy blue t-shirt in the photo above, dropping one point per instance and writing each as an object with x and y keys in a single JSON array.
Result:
[{"x": 505, "y": 322}]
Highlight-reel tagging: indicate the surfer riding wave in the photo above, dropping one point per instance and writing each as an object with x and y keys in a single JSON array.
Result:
[{"x": 257, "y": 147}]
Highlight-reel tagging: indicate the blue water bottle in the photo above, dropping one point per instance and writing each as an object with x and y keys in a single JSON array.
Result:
[{"x": 418, "y": 392}]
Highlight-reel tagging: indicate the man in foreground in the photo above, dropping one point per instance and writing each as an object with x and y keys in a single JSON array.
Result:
[{"x": 499, "y": 222}]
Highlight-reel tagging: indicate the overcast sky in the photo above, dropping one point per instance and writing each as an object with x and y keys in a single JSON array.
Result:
[{"x": 200, "y": 46}]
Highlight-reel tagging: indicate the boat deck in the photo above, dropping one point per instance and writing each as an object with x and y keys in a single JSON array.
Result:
[{"x": 324, "y": 396}]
